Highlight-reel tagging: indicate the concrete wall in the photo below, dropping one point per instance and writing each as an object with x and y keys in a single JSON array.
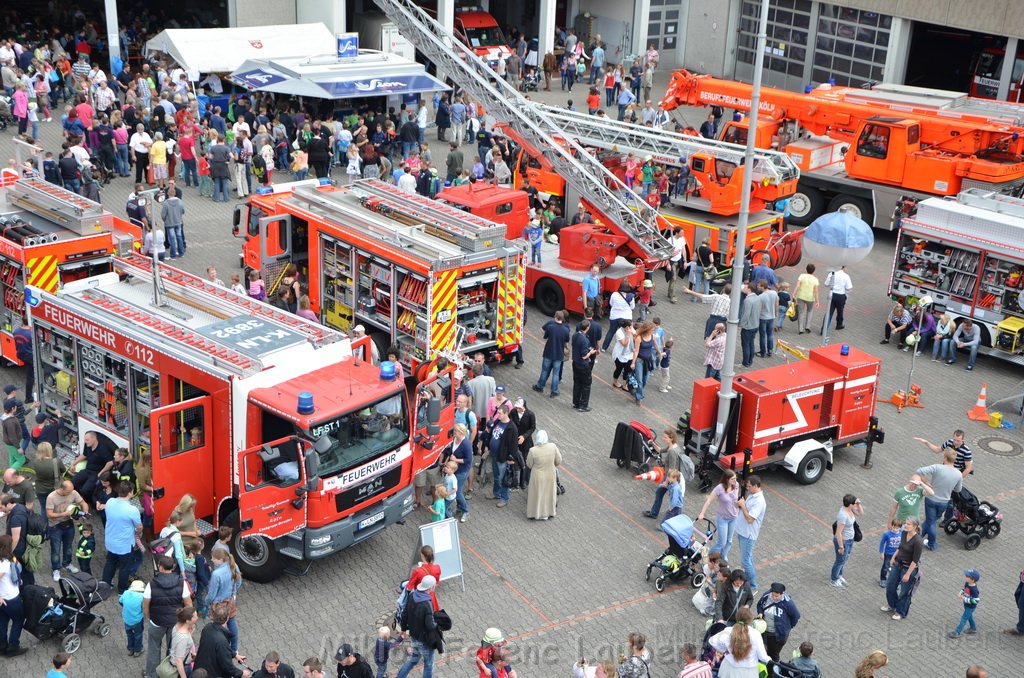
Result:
[
  {"x": 331, "y": 13},
  {"x": 260, "y": 12},
  {"x": 707, "y": 43},
  {"x": 999, "y": 17}
]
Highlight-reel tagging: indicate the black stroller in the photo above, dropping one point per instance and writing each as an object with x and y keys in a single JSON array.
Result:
[
  {"x": 633, "y": 446},
  {"x": 974, "y": 518},
  {"x": 68, "y": 615},
  {"x": 6, "y": 117}
]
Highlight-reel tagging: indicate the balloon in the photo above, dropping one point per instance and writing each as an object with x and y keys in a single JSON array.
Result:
[{"x": 838, "y": 239}]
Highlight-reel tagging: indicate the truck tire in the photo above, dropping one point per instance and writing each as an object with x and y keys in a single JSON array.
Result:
[
  {"x": 548, "y": 296},
  {"x": 811, "y": 468},
  {"x": 858, "y": 207},
  {"x": 256, "y": 556},
  {"x": 806, "y": 205}
]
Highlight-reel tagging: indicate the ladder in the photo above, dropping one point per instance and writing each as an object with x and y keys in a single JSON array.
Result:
[
  {"x": 992, "y": 201},
  {"x": 222, "y": 300},
  {"x": 636, "y": 220},
  {"x": 668, "y": 148}
]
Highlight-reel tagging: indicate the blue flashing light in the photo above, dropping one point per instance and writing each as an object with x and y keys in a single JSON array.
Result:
[
  {"x": 844, "y": 350},
  {"x": 388, "y": 371},
  {"x": 808, "y": 89},
  {"x": 265, "y": 190},
  {"x": 324, "y": 181},
  {"x": 832, "y": 81},
  {"x": 305, "y": 403}
]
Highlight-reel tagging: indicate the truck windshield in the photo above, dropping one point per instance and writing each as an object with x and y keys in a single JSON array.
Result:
[
  {"x": 363, "y": 434},
  {"x": 485, "y": 36}
]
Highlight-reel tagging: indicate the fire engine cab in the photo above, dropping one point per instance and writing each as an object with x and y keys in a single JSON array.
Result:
[
  {"x": 266, "y": 418},
  {"x": 49, "y": 236},
  {"x": 791, "y": 416}
]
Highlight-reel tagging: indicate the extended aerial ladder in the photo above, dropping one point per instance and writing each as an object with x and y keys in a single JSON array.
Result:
[
  {"x": 633, "y": 218},
  {"x": 716, "y": 165}
]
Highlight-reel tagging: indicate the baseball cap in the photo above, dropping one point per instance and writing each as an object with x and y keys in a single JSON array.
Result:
[
  {"x": 10, "y": 388},
  {"x": 10, "y": 404},
  {"x": 358, "y": 328},
  {"x": 973, "y": 574},
  {"x": 500, "y": 388},
  {"x": 40, "y": 417},
  {"x": 427, "y": 583},
  {"x": 459, "y": 374},
  {"x": 344, "y": 651},
  {"x": 777, "y": 587},
  {"x": 520, "y": 402}
]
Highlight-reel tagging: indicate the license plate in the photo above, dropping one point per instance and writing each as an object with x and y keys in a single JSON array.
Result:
[{"x": 372, "y": 520}]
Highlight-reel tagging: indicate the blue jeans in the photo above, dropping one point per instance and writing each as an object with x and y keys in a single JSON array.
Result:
[
  {"x": 220, "y": 188},
  {"x": 659, "y": 495},
  {"x": 841, "y": 558},
  {"x": 498, "y": 471},
  {"x": 134, "y": 633},
  {"x": 554, "y": 368},
  {"x": 175, "y": 243},
  {"x": 190, "y": 172},
  {"x": 711, "y": 373},
  {"x": 121, "y": 164},
  {"x": 233, "y": 634},
  {"x": 747, "y": 346},
  {"x": 951, "y": 354},
  {"x": 460, "y": 497},
  {"x": 419, "y": 651},
  {"x": 12, "y": 613},
  {"x": 698, "y": 281},
  {"x": 932, "y": 509},
  {"x": 766, "y": 337},
  {"x": 898, "y": 593},
  {"x": 125, "y": 564},
  {"x": 747, "y": 559},
  {"x": 723, "y": 538},
  {"x": 967, "y": 618},
  {"x": 61, "y": 541},
  {"x": 535, "y": 254},
  {"x": 73, "y": 185},
  {"x": 642, "y": 374},
  {"x": 940, "y": 347},
  {"x": 382, "y": 670}
]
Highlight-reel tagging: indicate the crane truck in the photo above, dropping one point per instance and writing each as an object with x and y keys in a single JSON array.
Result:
[{"x": 865, "y": 153}]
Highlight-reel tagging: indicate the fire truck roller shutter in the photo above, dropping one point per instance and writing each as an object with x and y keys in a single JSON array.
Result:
[
  {"x": 443, "y": 297},
  {"x": 43, "y": 273}
]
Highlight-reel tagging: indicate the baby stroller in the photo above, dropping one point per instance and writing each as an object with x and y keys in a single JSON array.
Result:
[
  {"x": 531, "y": 81},
  {"x": 974, "y": 518},
  {"x": 5, "y": 113},
  {"x": 687, "y": 549},
  {"x": 69, "y": 615},
  {"x": 634, "y": 446}
]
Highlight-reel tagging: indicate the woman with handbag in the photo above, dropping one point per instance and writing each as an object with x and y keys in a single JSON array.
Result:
[
  {"x": 225, "y": 581},
  {"x": 844, "y": 533},
  {"x": 645, "y": 349}
]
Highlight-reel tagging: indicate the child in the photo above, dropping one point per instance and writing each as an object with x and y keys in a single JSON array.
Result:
[
  {"x": 666, "y": 360},
  {"x": 970, "y": 594},
  {"x": 535, "y": 236},
  {"x": 631, "y": 168},
  {"x": 300, "y": 164},
  {"x": 205, "y": 178},
  {"x": 802, "y": 660},
  {"x": 784, "y": 298},
  {"x": 437, "y": 507},
  {"x": 51, "y": 172},
  {"x": 202, "y": 574},
  {"x": 256, "y": 288},
  {"x": 131, "y": 613},
  {"x": 61, "y": 662},
  {"x": 236, "y": 283},
  {"x": 888, "y": 545},
  {"x": 647, "y": 174},
  {"x": 224, "y": 535},
  {"x": 675, "y": 493},
  {"x": 86, "y": 546},
  {"x": 189, "y": 570},
  {"x": 382, "y": 650},
  {"x": 643, "y": 298},
  {"x": 451, "y": 486}
]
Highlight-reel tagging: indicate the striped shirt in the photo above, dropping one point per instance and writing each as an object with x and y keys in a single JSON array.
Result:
[
  {"x": 719, "y": 304},
  {"x": 698, "y": 669},
  {"x": 963, "y": 454}
]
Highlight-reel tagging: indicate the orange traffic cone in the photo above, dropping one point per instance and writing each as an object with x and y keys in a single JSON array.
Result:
[
  {"x": 979, "y": 411},
  {"x": 657, "y": 474}
]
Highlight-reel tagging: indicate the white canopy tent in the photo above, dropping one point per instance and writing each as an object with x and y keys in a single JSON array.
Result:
[{"x": 222, "y": 50}]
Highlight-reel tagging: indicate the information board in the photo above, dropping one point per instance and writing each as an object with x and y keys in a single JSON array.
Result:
[{"x": 443, "y": 537}]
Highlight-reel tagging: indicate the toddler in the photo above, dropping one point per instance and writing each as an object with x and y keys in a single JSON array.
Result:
[
  {"x": 451, "y": 486},
  {"x": 643, "y": 298},
  {"x": 86, "y": 547},
  {"x": 802, "y": 660},
  {"x": 205, "y": 178},
  {"x": 131, "y": 613},
  {"x": 970, "y": 595},
  {"x": 437, "y": 507},
  {"x": 236, "y": 283},
  {"x": 666, "y": 360},
  {"x": 382, "y": 649},
  {"x": 784, "y": 298},
  {"x": 888, "y": 545},
  {"x": 256, "y": 288}
]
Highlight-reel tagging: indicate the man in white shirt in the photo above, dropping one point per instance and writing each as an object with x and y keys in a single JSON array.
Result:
[
  {"x": 676, "y": 262},
  {"x": 841, "y": 285},
  {"x": 241, "y": 126},
  {"x": 421, "y": 121},
  {"x": 748, "y": 526},
  {"x": 7, "y": 54},
  {"x": 96, "y": 76}
]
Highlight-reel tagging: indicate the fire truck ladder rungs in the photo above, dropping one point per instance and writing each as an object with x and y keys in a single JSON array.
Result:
[
  {"x": 582, "y": 171},
  {"x": 188, "y": 283},
  {"x": 990, "y": 200},
  {"x": 168, "y": 329},
  {"x": 381, "y": 225},
  {"x": 624, "y": 137},
  {"x": 57, "y": 197}
]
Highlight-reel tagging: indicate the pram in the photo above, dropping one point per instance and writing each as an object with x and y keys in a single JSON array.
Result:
[
  {"x": 974, "y": 518},
  {"x": 686, "y": 552},
  {"x": 5, "y": 112},
  {"x": 531, "y": 81},
  {"x": 68, "y": 615},
  {"x": 634, "y": 446}
]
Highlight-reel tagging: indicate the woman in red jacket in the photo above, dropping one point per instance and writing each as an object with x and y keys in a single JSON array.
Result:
[{"x": 425, "y": 567}]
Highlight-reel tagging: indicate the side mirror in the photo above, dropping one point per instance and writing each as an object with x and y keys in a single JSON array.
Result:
[
  {"x": 312, "y": 462},
  {"x": 843, "y": 150},
  {"x": 433, "y": 416},
  {"x": 236, "y": 221}
]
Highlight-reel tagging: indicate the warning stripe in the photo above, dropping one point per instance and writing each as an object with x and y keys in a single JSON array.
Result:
[
  {"x": 443, "y": 298},
  {"x": 43, "y": 273}
]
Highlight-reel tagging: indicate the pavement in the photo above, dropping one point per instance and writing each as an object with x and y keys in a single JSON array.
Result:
[{"x": 574, "y": 586}]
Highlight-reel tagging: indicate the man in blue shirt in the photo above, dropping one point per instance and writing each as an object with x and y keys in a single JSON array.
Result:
[
  {"x": 763, "y": 271},
  {"x": 556, "y": 336},
  {"x": 625, "y": 99},
  {"x": 596, "y": 62},
  {"x": 121, "y": 538},
  {"x": 592, "y": 290}
]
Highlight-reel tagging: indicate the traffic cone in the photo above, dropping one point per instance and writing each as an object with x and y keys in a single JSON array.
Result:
[
  {"x": 979, "y": 411},
  {"x": 657, "y": 474}
]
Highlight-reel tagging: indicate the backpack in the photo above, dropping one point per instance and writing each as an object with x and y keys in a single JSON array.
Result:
[
  {"x": 36, "y": 525},
  {"x": 162, "y": 546}
]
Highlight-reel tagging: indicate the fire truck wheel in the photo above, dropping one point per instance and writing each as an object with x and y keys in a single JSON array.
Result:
[
  {"x": 256, "y": 556},
  {"x": 805, "y": 206},
  {"x": 548, "y": 296},
  {"x": 811, "y": 468},
  {"x": 858, "y": 207}
]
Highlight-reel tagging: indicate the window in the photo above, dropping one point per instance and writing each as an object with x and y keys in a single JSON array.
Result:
[
  {"x": 788, "y": 25},
  {"x": 272, "y": 465},
  {"x": 851, "y": 45},
  {"x": 913, "y": 134},
  {"x": 363, "y": 434},
  {"x": 182, "y": 429},
  {"x": 873, "y": 141},
  {"x": 503, "y": 208}
]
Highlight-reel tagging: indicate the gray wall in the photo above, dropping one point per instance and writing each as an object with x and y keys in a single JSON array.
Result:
[
  {"x": 260, "y": 12},
  {"x": 710, "y": 36}
]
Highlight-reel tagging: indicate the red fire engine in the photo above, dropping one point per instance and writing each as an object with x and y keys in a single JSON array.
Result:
[
  {"x": 49, "y": 236},
  {"x": 791, "y": 416},
  {"x": 266, "y": 418}
]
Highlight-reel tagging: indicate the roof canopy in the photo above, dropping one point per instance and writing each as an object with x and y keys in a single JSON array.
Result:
[
  {"x": 221, "y": 50},
  {"x": 328, "y": 77}
]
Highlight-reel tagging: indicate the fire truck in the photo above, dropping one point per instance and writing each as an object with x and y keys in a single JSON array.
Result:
[
  {"x": 791, "y": 416},
  {"x": 967, "y": 254},
  {"x": 479, "y": 31},
  {"x": 430, "y": 279},
  {"x": 266, "y": 418},
  {"x": 863, "y": 150},
  {"x": 49, "y": 236}
]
